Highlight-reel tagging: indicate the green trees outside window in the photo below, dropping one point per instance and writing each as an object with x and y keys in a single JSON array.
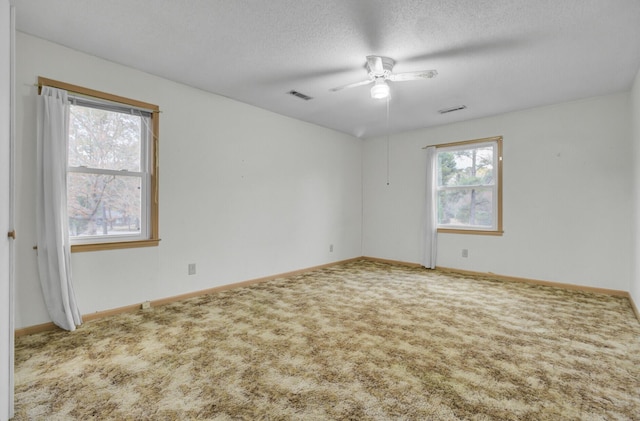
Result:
[{"x": 468, "y": 190}]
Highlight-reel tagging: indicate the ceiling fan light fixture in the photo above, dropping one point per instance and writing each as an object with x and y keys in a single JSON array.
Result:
[{"x": 380, "y": 90}]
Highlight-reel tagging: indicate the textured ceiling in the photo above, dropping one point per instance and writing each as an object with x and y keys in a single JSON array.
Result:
[{"x": 493, "y": 56}]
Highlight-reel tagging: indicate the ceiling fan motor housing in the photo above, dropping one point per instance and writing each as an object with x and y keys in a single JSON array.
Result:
[{"x": 379, "y": 67}]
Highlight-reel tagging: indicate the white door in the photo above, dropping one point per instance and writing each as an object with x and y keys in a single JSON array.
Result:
[{"x": 6, "y": 243}]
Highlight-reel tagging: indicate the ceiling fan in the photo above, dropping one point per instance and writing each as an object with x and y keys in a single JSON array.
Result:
[{"x": 379, "y": 70}]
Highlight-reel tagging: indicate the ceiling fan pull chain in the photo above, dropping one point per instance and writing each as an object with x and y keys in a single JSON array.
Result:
[{"x": 388, "y": 141}]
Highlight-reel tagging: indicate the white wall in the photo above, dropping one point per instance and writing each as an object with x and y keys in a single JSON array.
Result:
[
  {"x": 244, "y": 193},
  {"x": 635, "y": 122},
  {"x": 567, "y": 195}
]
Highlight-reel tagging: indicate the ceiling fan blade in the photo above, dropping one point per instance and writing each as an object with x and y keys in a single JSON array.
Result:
[
  {"x": 352, "y": 85},
  {"x": 423, "y": 74},
  {"x": 375, "y": 65}
]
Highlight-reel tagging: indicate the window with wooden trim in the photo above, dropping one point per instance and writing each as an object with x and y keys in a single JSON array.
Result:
[
  {"x": 112, "y": 172},
  {"x": 469, "y": 186}
]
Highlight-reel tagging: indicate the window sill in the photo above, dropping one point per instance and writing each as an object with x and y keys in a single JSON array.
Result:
[
  {"x": 473, "y": 232},
  {"x": 78, "y": 248}
]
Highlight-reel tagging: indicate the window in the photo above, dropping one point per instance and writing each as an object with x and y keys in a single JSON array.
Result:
[
  {"x": 469, "y": 186},
  {"x": 112, "y": 172}
]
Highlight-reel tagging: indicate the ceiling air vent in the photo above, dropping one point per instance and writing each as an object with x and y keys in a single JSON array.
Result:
[
  {"x": 452, "y": 109},
  {"x": 300, "y": 95}
]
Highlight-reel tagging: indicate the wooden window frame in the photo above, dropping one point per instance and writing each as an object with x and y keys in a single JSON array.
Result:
[
  {"x": 499, "y": 228},
  {"x": 153, "y": 234}
]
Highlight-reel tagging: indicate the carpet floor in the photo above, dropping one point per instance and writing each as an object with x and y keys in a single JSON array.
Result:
[{"x": 357, "y": 341}]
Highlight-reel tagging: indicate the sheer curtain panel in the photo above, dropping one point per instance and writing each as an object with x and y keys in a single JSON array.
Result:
[
  {"x": 54, "y": 250},
  {"x": 431, "y": 224}
]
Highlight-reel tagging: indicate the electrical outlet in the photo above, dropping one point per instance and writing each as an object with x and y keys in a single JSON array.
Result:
[
  {"x": 465, "y": 252},
  {"x": 330, "y": 248},
  {"x": 146, "y": 305},
  {"x": 192, "y": 268}
]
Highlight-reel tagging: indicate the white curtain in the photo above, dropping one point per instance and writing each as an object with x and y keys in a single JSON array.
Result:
[
  {"x": 54, "y": 251},
  {"x": 431, "y": 212}
]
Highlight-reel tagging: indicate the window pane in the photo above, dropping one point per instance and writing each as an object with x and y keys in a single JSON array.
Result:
[
  {"x": 466, "y": 207},
  {"x": 102, "y": 205},
  {"x": 466, "y": 167},
  {"x": 104, "y": 139}
]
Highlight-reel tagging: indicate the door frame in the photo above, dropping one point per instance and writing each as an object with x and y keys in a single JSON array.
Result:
[{"x": 7, "y": 196}]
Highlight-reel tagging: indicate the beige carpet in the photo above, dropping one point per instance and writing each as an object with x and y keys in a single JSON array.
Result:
[{"x": 357, "y": 341}]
